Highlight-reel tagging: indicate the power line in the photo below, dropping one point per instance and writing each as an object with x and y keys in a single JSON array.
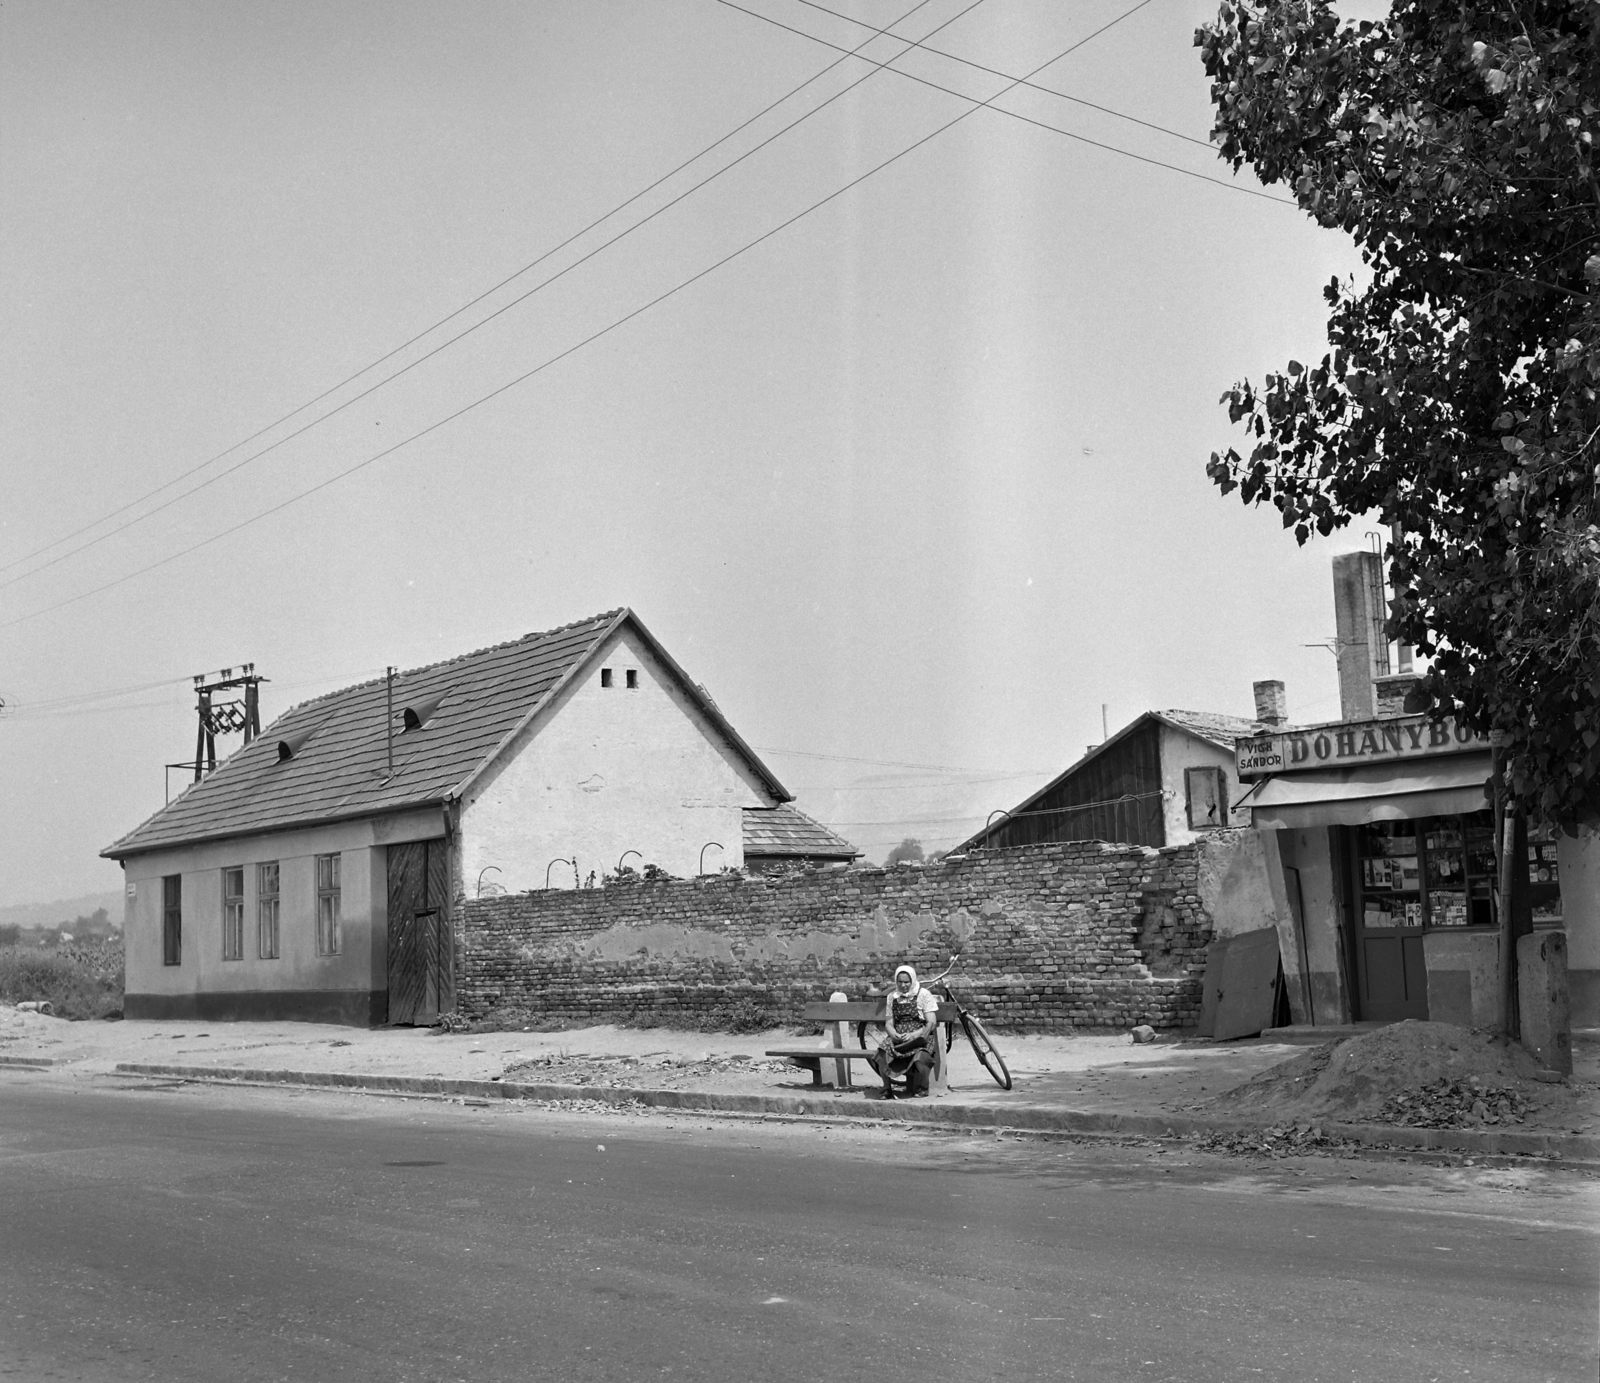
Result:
[
  {"x": 570, "y": 350},
  {"x": 996, "y": 72},
  {"x": 895, "y": 763},
  {"x": 23, "y": 708},
  {"x": 1010, "y": 816},
  {"x": 1028, "y": 119},
  {"x": 488, "y": 292}
]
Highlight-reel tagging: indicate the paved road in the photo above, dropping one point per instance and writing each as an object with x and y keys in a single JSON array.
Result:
[{"x": 208, "y": 1234}]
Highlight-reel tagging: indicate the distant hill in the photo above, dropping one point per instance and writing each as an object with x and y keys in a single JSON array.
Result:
[{"x": 66, "y": 910}]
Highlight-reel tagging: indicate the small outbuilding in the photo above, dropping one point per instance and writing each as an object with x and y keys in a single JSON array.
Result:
[{"x": 1163, "y": 779}]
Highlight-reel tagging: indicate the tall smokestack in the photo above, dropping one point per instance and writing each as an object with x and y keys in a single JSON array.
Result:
[{"x": 1358, "y": 622}]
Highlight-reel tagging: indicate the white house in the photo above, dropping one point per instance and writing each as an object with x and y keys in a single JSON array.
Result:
[{"x": 315, "y": 873}]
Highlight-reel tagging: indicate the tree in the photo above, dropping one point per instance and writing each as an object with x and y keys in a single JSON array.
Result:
[
  {"x": 906, "y": 851},
  {"x": 1455, "y": 143}
]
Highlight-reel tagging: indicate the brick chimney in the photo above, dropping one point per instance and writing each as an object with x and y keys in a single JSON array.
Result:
[
  {"x": 1272, "y": 704},
  {"x": 1358, "y": 622},
  {"x": 1391, "y": 692}
]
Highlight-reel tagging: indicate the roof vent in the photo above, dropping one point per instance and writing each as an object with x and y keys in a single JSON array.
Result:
[
  {"x": 290, "y": 745},
  {"x": 419, "y": 713}
]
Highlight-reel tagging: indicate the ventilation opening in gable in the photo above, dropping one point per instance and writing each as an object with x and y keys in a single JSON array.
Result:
[
  {"x": 633, "y": 679},
  {"x": 605, "y": 677}
]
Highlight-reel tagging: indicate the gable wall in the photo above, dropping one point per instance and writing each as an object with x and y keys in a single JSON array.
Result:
[
  {"x": 299, "y": 983},
  {"x": 604, "y": 771},
  {"x": 1114, "y": 797},
  {"x": 1178, "y": 752}
]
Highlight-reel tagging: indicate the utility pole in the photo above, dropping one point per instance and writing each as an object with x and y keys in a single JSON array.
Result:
[{"x": 240, "y": 711}]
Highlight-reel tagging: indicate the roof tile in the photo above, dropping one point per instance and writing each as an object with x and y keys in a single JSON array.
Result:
[{"x": 341, "y": 768}]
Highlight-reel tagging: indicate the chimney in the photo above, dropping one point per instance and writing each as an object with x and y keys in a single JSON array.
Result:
[
  {"x": 1358, "y": 623},
  {"x": 1272, "y": 704},
  {"x": 1391, "y": 693}
]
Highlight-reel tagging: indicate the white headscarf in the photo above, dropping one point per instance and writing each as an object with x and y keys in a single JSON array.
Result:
[{"x": 911, "y": 970}]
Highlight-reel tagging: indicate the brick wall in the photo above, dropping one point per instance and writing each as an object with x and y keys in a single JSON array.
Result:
[{"x": 1054, "y": 937}]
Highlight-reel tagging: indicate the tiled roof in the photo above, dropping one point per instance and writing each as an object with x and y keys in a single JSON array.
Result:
[
  {"x": 339, "y": 769},
  {"x": 786, "y": 830},
  {"x": 1221, "y": 730}
]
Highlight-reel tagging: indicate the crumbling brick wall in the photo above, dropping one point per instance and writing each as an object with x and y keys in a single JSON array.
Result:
[{"x": 1053, "y": 937}]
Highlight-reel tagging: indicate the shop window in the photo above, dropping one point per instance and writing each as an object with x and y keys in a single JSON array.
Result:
[
  {"x": 1544, "y": 881},
  {"x": 1207, "y": 792},
  {"x": 233, "y": 913},
  {"x": 1433, "y": 873}
]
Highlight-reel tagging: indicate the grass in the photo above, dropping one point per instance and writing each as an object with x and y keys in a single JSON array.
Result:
[{"x": 79, "y": 981}]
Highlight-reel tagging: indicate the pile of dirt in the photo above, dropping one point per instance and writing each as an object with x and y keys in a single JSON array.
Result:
[{"x": 1359, "y": 1079}]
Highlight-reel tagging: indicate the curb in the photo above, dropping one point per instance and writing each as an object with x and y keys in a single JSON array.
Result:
[
  {"x": 28, "y": 1063},
  {"x": 1034, "y": 1118}
]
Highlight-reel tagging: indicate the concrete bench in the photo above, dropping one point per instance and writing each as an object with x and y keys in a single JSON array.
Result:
[{"x": 830, "y": 1064}]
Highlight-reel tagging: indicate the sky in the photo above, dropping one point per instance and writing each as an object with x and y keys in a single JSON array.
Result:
[{"x": 909, "y": 473}]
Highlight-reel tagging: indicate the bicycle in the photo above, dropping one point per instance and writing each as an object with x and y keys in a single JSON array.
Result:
[{"x": 982, "y": 1044}]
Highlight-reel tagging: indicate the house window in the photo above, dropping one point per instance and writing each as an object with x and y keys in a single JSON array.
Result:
[
  {"x": 233, "y": 913},
  {"x": 172, "y": 919},
  {"x": 327, "y": 905},
  {"x": 1207, "y": 792},
  {"x": 605, "y": 677},
  {"x": 633, "y": 679},
  {"x": 267, "y": 910}
]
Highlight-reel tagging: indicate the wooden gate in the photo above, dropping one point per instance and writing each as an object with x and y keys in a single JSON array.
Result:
[{"x": 421, "y": 951}]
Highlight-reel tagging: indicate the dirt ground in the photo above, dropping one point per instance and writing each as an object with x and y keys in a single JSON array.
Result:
[
  {"x": 1347, "y": 1081},
  {"x": 1415, "y": 1072}
]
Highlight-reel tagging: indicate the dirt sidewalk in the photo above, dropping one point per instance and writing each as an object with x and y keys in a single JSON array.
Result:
[{"x": 1089, "y": 1074}]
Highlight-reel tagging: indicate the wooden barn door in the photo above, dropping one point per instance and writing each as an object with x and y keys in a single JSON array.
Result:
[{"x": 421, "y": 958}]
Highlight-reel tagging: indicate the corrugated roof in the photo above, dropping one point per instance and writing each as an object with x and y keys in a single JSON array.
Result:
[
  {"x": 339, "y": 765},
  {"x": 786, "y": 830}
]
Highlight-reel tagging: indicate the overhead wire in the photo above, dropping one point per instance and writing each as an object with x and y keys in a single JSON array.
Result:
[
  {"x": 573, "y": 349},
  {"x": 1027, "y": 119},
  {"x": 1010, "y": 816},
  {"x": 996, "y": 72},
  {"x": 896, "y": 763},
  {"x": 450, "y": 317}
]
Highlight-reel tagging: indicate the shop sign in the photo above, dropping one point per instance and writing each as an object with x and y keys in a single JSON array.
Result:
[{"x": 1348, "y": 743}]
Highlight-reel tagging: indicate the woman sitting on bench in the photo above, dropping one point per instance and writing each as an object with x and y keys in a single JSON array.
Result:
[{"x": 907, "y": 1053}]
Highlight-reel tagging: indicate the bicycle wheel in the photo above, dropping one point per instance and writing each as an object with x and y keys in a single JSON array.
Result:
[
  {"x": 870, "y": 1034},
  {"x": 993, "y": 1062}
]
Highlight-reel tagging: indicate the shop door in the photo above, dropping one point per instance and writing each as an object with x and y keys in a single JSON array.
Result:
[
  {"x": 1387, "y": 886},
  {"x": 421, "y": 959}
]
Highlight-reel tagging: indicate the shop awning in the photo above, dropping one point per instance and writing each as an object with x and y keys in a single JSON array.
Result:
[{"x": 1399, "y": 791}]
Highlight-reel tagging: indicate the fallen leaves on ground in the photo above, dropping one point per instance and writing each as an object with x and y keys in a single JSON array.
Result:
[{"x": 1446, "y": 1103}]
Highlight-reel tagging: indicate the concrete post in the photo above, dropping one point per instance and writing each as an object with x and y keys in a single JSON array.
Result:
[
  {"x": 1542, "y": 990},
  {"x": 841, "y": 1069}
]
